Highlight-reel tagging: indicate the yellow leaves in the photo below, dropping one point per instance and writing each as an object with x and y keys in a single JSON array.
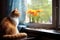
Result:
[
  {"x": 39, "y": 10},
  {"x": 34, "y": 12},
  {"x": 34, "y": 15}
]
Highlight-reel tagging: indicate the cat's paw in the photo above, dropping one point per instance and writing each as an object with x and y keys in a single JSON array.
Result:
[
  {"x": 19, "y": 35},
  {"x": 22, "y": 34}
]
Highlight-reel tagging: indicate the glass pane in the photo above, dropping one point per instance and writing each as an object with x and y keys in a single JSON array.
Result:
[{"x": 39, "y": 11}]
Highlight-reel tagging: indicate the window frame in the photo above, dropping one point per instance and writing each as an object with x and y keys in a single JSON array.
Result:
[{"x": 54, "y": 19}]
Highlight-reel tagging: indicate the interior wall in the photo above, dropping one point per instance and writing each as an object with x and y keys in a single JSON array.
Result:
[
  {"x": 59, "y": 12},
  {"x": 2, "y": 9}
]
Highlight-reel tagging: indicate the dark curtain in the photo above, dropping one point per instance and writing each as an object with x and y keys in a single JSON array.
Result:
[
  {"x": 8, "y": 7},
  {"x": 5, "y": 7},
  {"x": 2, "y": 9}
]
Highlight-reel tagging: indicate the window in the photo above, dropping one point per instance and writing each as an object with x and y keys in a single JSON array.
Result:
[{"x": 40, "y": 13}]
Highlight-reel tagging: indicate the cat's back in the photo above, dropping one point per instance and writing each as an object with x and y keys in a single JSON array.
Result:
[
  {"x": 3, "y": 25},
  {"x": 7, "y": 26},
  {"x": 6, "y": 21}
]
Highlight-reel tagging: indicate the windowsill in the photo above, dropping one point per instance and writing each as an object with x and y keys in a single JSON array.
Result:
[
  {"x": 41, "y": 33},
  {"x": 44, "y": 30},
  {"x": 43, "y": 26}
]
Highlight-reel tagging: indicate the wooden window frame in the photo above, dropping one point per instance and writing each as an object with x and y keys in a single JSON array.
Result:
[{"x": 54, "y": 24}]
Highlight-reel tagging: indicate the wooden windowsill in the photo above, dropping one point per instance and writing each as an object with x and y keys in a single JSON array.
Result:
[{"x": 43, "y": 30}]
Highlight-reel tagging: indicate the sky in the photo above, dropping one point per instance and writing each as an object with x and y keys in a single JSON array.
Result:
[{"x": 28, "y": 1}]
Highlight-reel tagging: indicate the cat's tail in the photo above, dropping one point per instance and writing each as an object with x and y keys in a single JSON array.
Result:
[{"x": 15, "y": 36}]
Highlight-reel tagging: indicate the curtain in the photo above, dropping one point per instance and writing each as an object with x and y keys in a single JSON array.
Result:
[
  {"x": 8, "y": 7},
  {"x": 19, "y": 4}
]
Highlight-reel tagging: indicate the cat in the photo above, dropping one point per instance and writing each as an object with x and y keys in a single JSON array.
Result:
[{"x": 8, "y": 26}]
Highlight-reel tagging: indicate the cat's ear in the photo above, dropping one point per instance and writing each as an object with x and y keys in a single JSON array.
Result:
[
  {"x": 15, "y": 13},
  {"x": 16, "y": 9}
]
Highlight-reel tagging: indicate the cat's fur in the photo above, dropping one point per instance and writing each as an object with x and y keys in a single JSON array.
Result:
[{"x": 8, "y": 26}]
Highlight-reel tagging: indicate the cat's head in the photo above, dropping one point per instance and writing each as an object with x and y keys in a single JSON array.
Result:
[{"x": 15, "y": 13}]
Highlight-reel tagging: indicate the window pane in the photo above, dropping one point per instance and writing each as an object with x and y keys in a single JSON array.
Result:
[{"x": 39, "y": 11}]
